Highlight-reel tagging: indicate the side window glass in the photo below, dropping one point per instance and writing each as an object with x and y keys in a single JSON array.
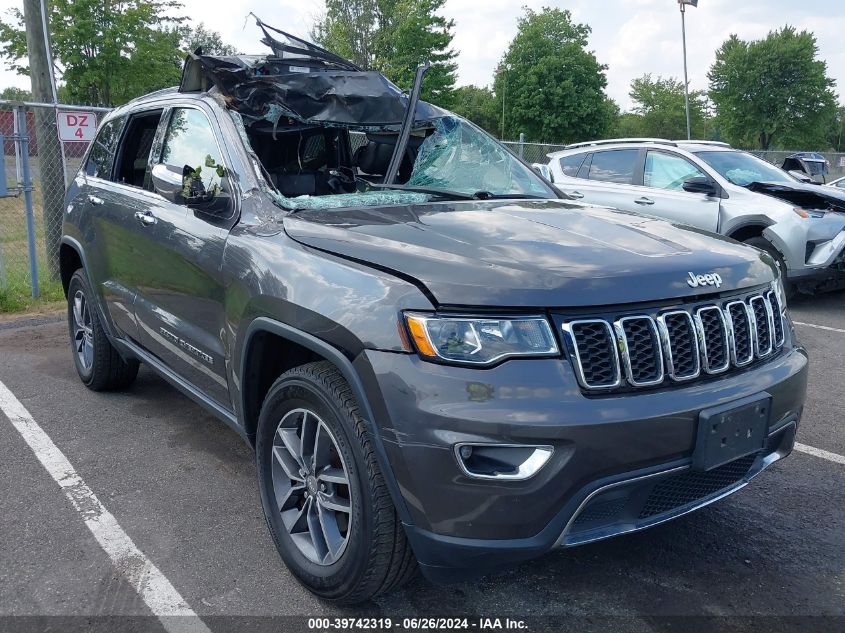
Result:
[
  {"x": 584, "y": 170},
  {"x": 101, "y": 157},
  {"x": 191, "y": 151},
  {"x": 133, "y": 161},
  {"x": 615, "y": 166},
  {"x": 570, "y": 165},
  {"x": 665, "y": 171}
]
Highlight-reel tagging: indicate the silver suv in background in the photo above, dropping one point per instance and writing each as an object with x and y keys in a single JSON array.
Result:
[{"x": 711, "y": 186}]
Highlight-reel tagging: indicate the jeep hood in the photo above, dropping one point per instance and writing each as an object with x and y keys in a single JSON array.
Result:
[
  {"x": 804, "y": 195},
  {"x": 542, "y": 254}
]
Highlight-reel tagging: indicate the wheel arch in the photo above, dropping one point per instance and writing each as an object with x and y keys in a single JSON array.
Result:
[
  {"x": 747, "y": 231},
  {"x": 300, "y": 348}
]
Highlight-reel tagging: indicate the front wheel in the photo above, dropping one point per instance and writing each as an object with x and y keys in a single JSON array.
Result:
[
  {"x": 323, "y": 494},
  {"x": 99, "y": 365}
]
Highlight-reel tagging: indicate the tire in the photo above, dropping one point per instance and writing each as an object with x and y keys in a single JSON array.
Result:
[
  {"x": 765, "y": 245},
  {"x": 97, "y": 362},
  {"x": 314, "y": 400}
]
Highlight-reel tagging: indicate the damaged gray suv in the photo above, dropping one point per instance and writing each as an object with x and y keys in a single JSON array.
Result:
[{"x": 442, "y": 362}]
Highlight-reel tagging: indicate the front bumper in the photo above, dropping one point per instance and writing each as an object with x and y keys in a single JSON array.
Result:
[{"x": 611, "y": 453}]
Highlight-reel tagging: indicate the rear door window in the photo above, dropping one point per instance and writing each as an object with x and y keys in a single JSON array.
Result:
[
  {"x": 133, "y": 161},
  {"x": 615, "y": 166},
  {"x": 101, "y": 157},
  {"x": 570, "y": 165}
]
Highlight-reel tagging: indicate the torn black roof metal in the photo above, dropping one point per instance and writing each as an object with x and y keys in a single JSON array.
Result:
[{"x": 303, "y": 82}]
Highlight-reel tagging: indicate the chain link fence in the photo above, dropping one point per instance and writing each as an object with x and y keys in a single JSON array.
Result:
[{"x": 37, "y": 168}]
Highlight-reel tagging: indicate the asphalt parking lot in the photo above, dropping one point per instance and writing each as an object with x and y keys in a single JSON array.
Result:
[{"x": 182, "y": 486}]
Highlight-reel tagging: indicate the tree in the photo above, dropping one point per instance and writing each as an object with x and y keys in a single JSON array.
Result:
[
  {"x": 106, "y": 52},
  {"x": 773, "y": 90},
  {"x": 660, "y": 104},
  {"x": 551, "y": 85},
  {"x": 479, "y": 105},
  {"x": 393, "y": 37},
  {"x": 211, "y": 42},
  {"x": 15, "y": 94}
]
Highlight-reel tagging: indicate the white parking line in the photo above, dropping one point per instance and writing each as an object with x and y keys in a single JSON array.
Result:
[
  {"x": 820, "y": 327},
  {"x": 156, "y": 591},
  {"x": 817, "y": 452}
]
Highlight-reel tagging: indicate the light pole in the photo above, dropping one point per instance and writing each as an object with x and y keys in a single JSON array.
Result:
[
  {"x": 505, "y": 70},
  {"x": 683, "y": 6}
]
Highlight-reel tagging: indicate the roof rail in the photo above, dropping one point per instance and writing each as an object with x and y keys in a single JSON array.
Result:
[
  {"x": 696, "y": 142},
  {"x": 612, "y": 141}
]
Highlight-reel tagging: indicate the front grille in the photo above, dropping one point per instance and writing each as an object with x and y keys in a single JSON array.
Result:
[
  {"x": 641, "y": 350},
  {"x": 681, "y": 490}
]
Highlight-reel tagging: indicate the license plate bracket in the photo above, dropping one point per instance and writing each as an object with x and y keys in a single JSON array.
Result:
[{"x": 732, "y": 431}]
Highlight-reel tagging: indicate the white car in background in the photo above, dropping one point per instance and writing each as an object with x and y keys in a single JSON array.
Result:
[{"x": 711, "y": 186}]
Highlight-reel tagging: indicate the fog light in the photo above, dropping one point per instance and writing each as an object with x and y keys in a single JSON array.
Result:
[{"x": 513, "y": 462}]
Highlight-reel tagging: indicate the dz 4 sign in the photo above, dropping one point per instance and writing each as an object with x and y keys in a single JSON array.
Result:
[{"x": 76, "y": 126}]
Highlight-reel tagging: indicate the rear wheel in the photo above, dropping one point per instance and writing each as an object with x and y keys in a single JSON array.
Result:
[
  {"x": 324, "y": 497},
  {"x": 99, "y": 365},
  {"x": 765, "y": 245}
]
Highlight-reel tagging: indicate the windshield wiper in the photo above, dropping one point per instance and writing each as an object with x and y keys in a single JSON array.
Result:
[
  {"x": 435, "y": 191},
  {"x": 460, "y": 195}
]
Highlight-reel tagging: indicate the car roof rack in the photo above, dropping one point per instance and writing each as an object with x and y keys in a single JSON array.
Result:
[
  {"x": 704, "y": 142},
  {"x": 614, "y": 141}
]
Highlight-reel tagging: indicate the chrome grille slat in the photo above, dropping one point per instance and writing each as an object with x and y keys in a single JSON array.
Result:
[
  {"x": 645, "y": 350},
  {"x": 777, "y": 314},
  {"x": 680, "y": 345},
  {"x": 586, "y": 337},
  {"x": 763, "y": 325},
  {"x": 740, "y": 328},
  {"x": 642, "y": 356},
  {"x": 713, "y": 338}
]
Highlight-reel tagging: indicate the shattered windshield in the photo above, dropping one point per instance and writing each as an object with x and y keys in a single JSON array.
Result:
[
  {"x": 449, "y": 158},
  {"x": 460, "y": 157},
  {"x": 742, "y": 169}
]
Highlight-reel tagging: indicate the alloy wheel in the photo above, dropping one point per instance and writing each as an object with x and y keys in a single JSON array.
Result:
[
  {"x": 311, "y": 486},
  {"x": 83, "y": 332}
]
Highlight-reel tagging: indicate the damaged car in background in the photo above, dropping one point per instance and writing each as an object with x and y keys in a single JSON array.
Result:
[
  {"x": 711, "y": 186},
  {"x": 442, "y": 362}
]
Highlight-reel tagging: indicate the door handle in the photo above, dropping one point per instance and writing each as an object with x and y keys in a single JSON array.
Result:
[
  {"x": 576, "y": 194},
  {"x": 95, "y": 200},
  {"x": 145, "y": 218},
  {"x": 644, "y": 201}
]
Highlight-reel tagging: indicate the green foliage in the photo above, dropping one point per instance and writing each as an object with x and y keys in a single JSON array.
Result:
[
  {"x": 659, "y": 103},
  {"x": 479, "y": 105},
  {"x": 15, "y": 94},
  {"x": 393, "y": 37},
  {"x": 209, "y": 41},
  {"x": 773, "y": 91},
  {"x": 107, "y": 52},
  {"x": 553, "y": 87}
]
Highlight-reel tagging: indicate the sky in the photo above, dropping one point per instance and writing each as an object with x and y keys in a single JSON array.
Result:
[{"x": 632, "y": 37}]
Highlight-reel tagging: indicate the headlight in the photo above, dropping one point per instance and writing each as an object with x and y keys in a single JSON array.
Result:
[{"x": 480, "y": 341}]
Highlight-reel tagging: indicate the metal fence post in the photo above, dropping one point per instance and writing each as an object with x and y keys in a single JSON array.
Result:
[
  {"x": 521, "y": 144},
  {"x": 23, "y": 139}
]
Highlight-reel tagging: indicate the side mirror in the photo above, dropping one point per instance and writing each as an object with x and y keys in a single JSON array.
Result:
[
  {"x": 220, "y": 205},
  {"x": 701, "y": 184},
  {"x": 167, "y": 182}
]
